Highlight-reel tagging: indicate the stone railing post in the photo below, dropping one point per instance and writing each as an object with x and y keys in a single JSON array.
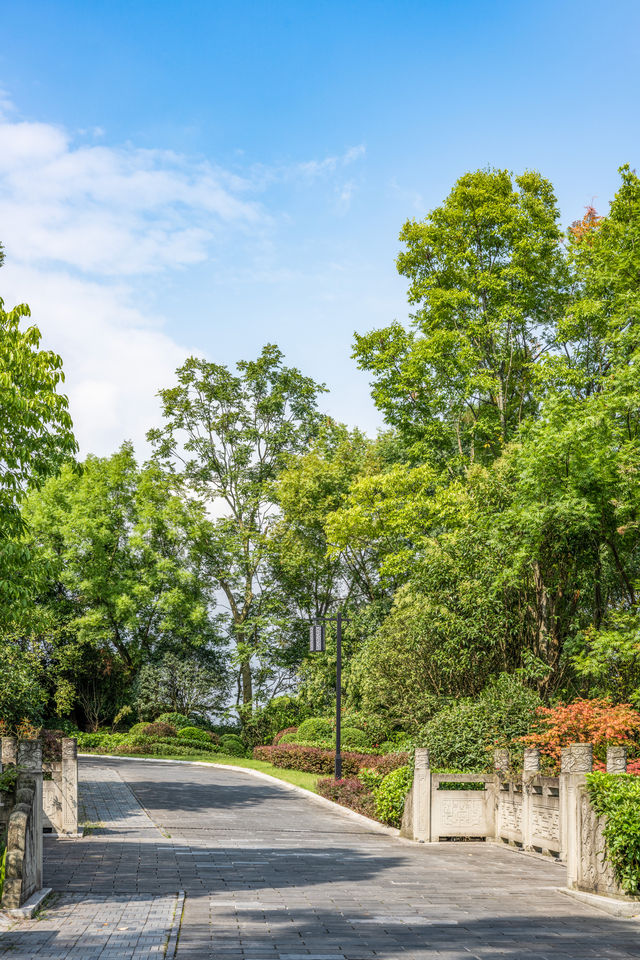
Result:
[
  {"x": 501, "y": 761},
  {"x": 69, "y": 785},
  {"x": 530, "y": 769},
  {"x": 616, "y": 759},
  {"x": 579, "y": 762},
  {"x": 422, "y": 796},
  {"x": 30, "y": 764},
  {"x": 9, "y": 751}
]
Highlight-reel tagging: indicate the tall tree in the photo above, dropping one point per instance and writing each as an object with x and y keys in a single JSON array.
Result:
[
  {"x": 487, "y": 277},
  {"x": 36, "y": 436},
  {"x": 120, "y": 585},
  {"x": 228, "y": 436}
]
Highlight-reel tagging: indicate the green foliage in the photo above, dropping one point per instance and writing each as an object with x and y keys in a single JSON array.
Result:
[
  {"x": 391, "y": 794},
  {"x": 354, "y": 739},
  {"x": 315, "y": 728},
  {"x": 263, "y": 723},
  {"x": 177, "y": 720},
  {"x": 180, "y": 686},
  {"x": 487, "y": 279},
  {"x": 22, "y": 692},
  {"x": 9, "y": 779},
  {"x": 39, "y": 440},
  {"x": 463, "y": 734},
  {"x": 194, "y": 733},
  {"x": 232, "y": 745},
  {"x": 617, "y": 797},
  {"x": 232, "y": 434}
]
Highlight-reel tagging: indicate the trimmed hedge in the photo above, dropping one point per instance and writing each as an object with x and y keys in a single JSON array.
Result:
[
  {"x": 194, "y": 733},
  {"x": 293, "y": 756},
  {"x": 351, "y": 793},
  {"x": 315, "y": 728}
]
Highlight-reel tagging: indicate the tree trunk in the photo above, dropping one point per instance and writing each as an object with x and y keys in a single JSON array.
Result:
[{"x": 247, "y": 682}]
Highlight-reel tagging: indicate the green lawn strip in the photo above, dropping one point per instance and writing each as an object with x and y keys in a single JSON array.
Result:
[{"x": 298, "y": 777}]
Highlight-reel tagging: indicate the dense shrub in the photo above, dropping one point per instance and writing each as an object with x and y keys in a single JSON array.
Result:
[
  {"x": 354, "y": 739},
  {"x": 160, "y": 729},
  {"x": 391, "y": 794},
  {"x": 104, "y": 742},
  {"x": 177, "y": 720},
  {"x": 263, "y": 724},
  {"x": 293, "y": 756},
  {"x": 284, "y": 733},
  {"x": 232, "y": 745},
  {"x": 349, "y": 792},
  {"x": 194, "y": 733},
  {"x": 137, "y": 728},
  {"x": 617, "y": 796},
  {"x": 376, "y": 727},
  {"x": 462, "y": 735},
  {"x": 585, "y": 721},
  {"x": 315, "y": 728}
]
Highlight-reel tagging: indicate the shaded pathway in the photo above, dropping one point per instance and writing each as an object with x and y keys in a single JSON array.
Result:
[{"x": 270, "y": 875}]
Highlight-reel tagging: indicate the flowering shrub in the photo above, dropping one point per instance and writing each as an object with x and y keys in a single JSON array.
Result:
[
  {"x": 350, "y": 792},
  {"x": 26, "y": 731},
  {"x": 293, "y": 756},
  {"x": 595, "y": 721}
]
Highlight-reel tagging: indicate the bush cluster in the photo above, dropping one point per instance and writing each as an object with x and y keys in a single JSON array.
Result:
[
  {"x": 293, "y": 756},
  {"x": 617, "y": 797},
  {"x": 391, "y": 795},
  {"x": 350, "y": 792}
]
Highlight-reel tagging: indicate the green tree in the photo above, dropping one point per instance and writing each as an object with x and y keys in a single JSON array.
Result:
[
  {"x": 179, "y": 686},
  {"x": 488, "y": 280},
  {"x": 35, "y": 439},
  {"x": 121, "y": 585},
  {"x": 228, "y": 437}
]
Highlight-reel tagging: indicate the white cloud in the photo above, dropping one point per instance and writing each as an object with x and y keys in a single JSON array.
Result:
[{"x": 91, "y": 230}]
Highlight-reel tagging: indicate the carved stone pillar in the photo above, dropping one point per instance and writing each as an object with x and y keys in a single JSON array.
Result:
[
  {"x": 616, "y": 759},
  {"x": 30, "y": 764},
  {"x": 422, "y": 796},
  {"x": 531, "y": 769},
  {"x": 69, "y": 785},
  {"x": 579, "y": 763}
]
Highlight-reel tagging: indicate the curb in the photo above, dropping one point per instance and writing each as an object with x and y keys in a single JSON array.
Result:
[
  {"x": 615, "y": 908},
  {"x": 176, "y": 923},
  {"x": 323, "y": 801},
  {"x": 30, "y": 906}
]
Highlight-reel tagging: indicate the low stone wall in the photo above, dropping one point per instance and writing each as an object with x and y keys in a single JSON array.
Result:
[
  {"x": 23, "y": 865},
  {"x": 547, "y": 815}
]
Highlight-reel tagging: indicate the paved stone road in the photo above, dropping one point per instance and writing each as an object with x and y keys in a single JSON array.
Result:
[{"x": 270, "y": 875}]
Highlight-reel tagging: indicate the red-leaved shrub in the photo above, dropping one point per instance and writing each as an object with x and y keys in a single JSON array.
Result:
[
  {"x": 159, "y": 729},
  {"x": 597, "y": 721},
  {"x": 293, "y": 756},
  {"x": 349, "y": 792}
]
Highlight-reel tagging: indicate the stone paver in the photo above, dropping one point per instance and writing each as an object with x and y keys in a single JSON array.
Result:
[{"x": 270, "y": 875}]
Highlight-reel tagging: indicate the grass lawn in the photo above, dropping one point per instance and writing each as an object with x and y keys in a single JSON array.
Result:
[{"x": 298, "y": 777}]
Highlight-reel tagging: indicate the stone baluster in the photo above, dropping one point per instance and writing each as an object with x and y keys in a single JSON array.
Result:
[
  {"x": 30, "y": 766},
  {"x": 422, "y": 796},
  {"x": 530, "y": 769},
  {"x": 616, "y": 759},
  {"x": 69, "y": 785},
  {"x": 579, "y": 762}
]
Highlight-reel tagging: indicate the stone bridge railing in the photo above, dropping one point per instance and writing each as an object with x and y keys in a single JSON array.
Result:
[
  {"x": 21, "y": 817},
  {"x": 536, "y": 813}
]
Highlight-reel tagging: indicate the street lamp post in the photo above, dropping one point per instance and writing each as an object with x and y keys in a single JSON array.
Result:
[{"x": 317, "y": 645}]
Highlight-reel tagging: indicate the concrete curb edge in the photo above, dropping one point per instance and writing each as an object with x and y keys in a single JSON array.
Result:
[
  {"x": 30, "y": 906},
  {"x": 323, "y": 801},
  {"x": 616, "y": 908}
]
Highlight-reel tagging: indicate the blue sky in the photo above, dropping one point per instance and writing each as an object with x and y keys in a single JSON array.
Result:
[{"x": 208, "y": 177}]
